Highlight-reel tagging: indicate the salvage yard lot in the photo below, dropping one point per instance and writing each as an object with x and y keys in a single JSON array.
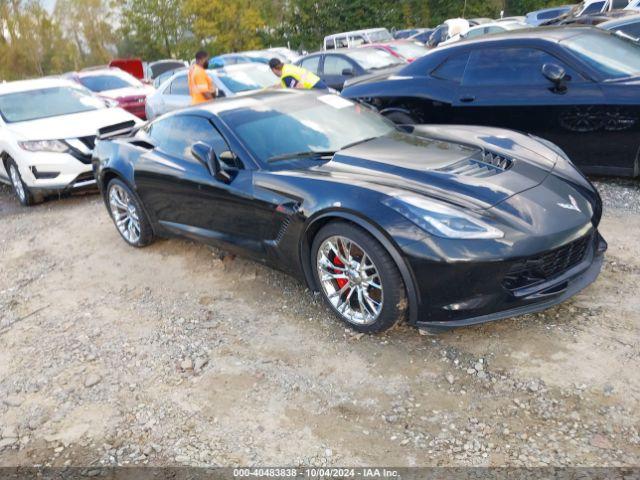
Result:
[{"x": 172, "y": 355}]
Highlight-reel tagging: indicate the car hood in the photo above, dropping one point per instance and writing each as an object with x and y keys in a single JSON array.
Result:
[
  {"x": 82, "y": 124},
  {"x": 374, "y": 76},
  {"x": 433, "y": 163}
]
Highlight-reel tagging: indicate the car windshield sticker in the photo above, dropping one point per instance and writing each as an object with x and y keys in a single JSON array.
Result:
[{"x": 335, "y": 101}]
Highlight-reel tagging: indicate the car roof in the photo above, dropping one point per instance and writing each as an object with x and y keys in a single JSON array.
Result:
[
  {"x": 101, "y": 71},
  {"x": 551, "y": 34},
  {"x": 619, "y": 21},
  {"x": 549, "y": 9},
  {"x": 36, "y": 84},
  {"x": 364, "y": 30}
]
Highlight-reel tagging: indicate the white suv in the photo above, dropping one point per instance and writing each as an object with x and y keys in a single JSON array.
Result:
[{"x": 47, "y": 133}]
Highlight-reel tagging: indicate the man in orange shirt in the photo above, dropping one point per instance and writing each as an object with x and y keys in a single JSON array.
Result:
[{"x": 200, "y": 84}]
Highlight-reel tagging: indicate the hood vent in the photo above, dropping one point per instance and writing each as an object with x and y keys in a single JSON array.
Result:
[{"x": 482, "y": 165}]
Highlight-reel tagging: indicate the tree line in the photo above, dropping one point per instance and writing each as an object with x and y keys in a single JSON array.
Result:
[{"x": 79, "y": 33}]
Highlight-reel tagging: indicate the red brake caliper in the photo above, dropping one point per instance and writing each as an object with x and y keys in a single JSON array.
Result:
[{"x": 340, "y": 281}]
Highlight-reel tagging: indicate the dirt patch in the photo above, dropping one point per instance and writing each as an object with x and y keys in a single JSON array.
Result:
[{"x": 168, "y": 355}]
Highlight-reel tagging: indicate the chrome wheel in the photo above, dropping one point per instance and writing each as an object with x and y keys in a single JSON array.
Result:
[
  {"x": 17, "y": 183},
  {"x": 125, "y": 214},
  {"x": 350, "y": 280}
]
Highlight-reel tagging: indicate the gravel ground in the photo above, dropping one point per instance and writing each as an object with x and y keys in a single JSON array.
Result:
[{"x": 169, "y": 355}]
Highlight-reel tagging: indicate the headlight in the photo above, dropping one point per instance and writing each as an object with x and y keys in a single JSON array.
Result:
[
  {"x": 439, "y": 219},
  {"x": 56, "y": 146}
]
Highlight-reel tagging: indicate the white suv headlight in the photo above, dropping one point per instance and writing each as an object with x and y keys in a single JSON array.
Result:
[
  {"x": 440, "y": 219},
  {"x": 55, "y": 146}
]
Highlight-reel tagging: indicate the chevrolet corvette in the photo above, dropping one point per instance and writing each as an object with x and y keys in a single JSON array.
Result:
[{"x": 443, "y": 225}]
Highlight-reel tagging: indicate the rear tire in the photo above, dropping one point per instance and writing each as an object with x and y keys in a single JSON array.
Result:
[
  {"x": 358, "y": 278},
  {"x": 20, "y": 189},
  {"x": 128, "y": 216}
]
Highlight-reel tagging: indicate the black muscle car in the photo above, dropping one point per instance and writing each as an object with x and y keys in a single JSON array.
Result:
[
  {"x": 578, "y": 87},
  {"x": 449, "y": 225}
]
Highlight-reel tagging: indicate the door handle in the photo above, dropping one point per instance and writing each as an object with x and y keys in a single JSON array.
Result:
[{"x": 467, "y": 98}]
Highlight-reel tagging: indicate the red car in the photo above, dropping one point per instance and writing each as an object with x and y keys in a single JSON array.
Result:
[
  {"x": 403, "y": 49},
  {"x": 118, "y": 85}
]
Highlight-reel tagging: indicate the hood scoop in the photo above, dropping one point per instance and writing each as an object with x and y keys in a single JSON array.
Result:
[{"x": 481, "y": 165}]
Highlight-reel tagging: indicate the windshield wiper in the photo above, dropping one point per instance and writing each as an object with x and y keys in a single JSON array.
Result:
[
  {"x": 307, "y": 154},
  {"x": 364, "y": 140}
]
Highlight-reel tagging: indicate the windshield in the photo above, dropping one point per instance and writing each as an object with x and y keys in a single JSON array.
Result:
[
  {"x": 611, "y": 55},
  {"x": 47, "y": 102},
  {"x": 303, "y": 124},
  {"x": 408, "y": 50},
  {"x": 379, "y": 36},
  {"x": 373, "y": 58},
  {"x": 246, "y": 79},
  {"x": 161, "y": 67},
  {"x": 104, "y": 82}
]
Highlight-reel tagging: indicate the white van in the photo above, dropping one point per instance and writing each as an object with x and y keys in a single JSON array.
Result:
[{"x": 356, "y": 38}]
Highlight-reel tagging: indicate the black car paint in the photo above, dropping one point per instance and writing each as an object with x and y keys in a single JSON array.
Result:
[
  {"x": 271, "y": 212},
  {"x": 608, "y": 147}
]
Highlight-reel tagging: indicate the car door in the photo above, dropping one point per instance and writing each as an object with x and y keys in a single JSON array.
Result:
[
  {"x": 505, "y": 87},
  {"x": 335, "y": 68},
  {"x": 311, "y": 63},
  {"x": 186, "y": 199},
  {"x": 176, "y": 95}
]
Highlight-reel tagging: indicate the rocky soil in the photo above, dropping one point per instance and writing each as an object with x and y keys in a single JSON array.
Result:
[{"x": 177, "y": 355}]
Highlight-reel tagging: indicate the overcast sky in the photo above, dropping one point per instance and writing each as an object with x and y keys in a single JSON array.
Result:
[{"x": 48, "y": 4}]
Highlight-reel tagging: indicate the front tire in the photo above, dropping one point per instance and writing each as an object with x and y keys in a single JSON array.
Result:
[
  {"x": 127, "y": 214},
  {"x": 20, "y": 189},
  {"x": 358, "y": 278}
]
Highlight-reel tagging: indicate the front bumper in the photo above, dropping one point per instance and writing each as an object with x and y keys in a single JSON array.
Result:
[
  {"x": 477, "y": 293},
  {"x": 46, "y": 172}
]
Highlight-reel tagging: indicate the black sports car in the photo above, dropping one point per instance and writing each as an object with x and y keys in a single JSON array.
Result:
[
  {"x": 453, "y": 225},
  {"x": 578, "y": 87}
]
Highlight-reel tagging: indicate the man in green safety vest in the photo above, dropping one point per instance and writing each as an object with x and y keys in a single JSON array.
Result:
[{"x": 292, "y": 76}]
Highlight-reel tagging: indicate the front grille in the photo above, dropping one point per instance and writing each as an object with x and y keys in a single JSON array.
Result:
[
  {"x": 547, "y": 265},
  {"x": 485, "y": 164}
]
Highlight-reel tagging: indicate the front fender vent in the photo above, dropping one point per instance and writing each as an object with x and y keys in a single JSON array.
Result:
[{"x": 482, "y": 165}]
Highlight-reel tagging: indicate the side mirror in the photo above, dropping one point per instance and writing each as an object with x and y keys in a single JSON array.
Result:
[
  {"x": 555, "y": 74},
  {"x": 348, "y": 72},
  {"x": 205, "y": 154}
]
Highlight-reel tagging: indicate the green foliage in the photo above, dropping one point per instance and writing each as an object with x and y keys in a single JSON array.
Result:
[
  {"x": 154, "y": 29},
  {"x": 226, "y": 26}
]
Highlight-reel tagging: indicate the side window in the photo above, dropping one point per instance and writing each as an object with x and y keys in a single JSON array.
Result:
[
  {"x": 509, "y": 66},
  {"x": 334, "y": 65},
  {"x": 175, "y": 135},
  {"x": 619, "y": 4},
  {"x": 312, "y": 64},
  {"x": 330, "y": 44},
  {"x": 549, "y": 15},
  {"x": 474, "y": 32},
  {"x": 595, "y": 7},
  {"x": 341, "y": 42},
  {"x": 357, "y": 40},
  {"x": 179, "y": 86},
  {"x": 452, "y": 69},
  {"x": 494, "y": 29},
  {"x": 633, "y": 29}
]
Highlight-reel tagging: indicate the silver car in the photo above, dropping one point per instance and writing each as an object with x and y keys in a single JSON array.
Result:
[{"x": 229, "y": 81}]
